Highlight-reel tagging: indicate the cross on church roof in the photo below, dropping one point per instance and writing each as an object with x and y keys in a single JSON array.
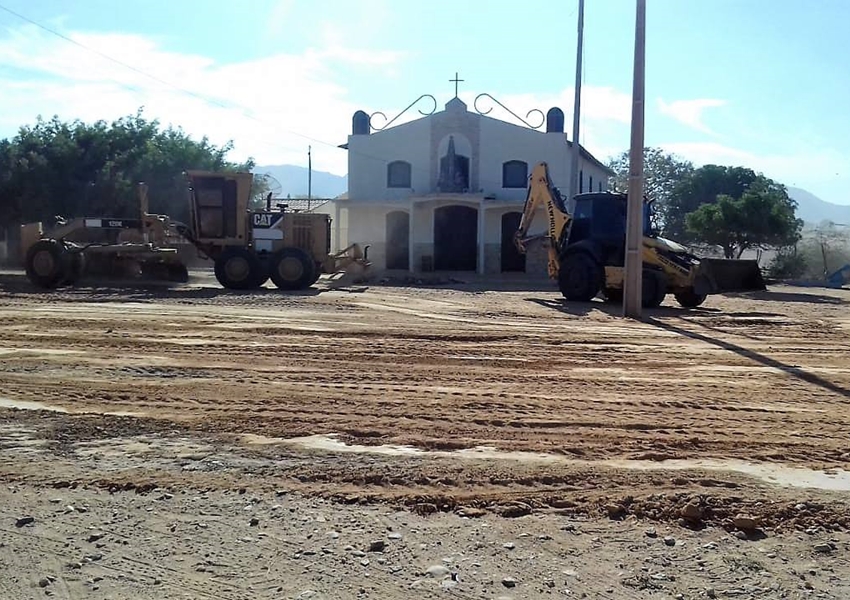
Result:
[{"x": 455, "y": 81}]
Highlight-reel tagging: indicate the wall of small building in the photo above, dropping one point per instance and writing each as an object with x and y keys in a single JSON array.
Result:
[{"x": 366, "y": 226}]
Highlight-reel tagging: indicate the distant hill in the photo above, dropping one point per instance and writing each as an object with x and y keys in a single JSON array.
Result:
[
  {"x": 293, "y": 181},
  {"x": 813, "y": 210}
]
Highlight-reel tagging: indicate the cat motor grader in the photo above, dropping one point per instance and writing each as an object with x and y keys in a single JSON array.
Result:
[
  {"x": 586, "y": 251},
  {"x": 248, "y": 246},
  {"x": 112, "y": 248}
]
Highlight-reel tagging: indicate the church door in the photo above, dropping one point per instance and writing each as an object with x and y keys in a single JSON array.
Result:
[
  {"x": 455, "y": 238},
  {"x": 398, "y": 240},
  {"x": 512, "y": 259}
]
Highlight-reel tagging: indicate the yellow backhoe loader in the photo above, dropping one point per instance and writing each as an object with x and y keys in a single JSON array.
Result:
[{"x": 586, "y": 248}]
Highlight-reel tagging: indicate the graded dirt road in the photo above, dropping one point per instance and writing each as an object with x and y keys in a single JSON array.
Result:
[{"x": 448, "y": 402}]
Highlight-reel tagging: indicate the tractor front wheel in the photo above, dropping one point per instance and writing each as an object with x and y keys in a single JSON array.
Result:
[{"x": 689, "y": 298}]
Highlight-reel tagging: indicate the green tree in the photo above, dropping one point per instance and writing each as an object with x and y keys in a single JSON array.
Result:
[
  {"x": 78, "y": 169},
  {"x": 700, "y": 187},
  {"x": 662, "y": 172},
  {"x": 763, "y": 216},
  {"x": 787, "y": 264}
]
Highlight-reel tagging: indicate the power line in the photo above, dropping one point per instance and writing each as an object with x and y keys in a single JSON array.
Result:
[{"x": 207, "y": 100}]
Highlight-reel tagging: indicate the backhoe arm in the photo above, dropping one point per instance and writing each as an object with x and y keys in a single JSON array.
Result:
[{"x": 542, "y": 193}]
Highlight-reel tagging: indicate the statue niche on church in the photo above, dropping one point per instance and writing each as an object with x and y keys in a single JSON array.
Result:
[{"x": 454, "y": 171}]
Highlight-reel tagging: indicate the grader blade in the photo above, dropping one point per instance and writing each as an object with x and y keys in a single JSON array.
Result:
[
  {"x": 725, "y": 275},
  {"x": 349, "y": 265}
]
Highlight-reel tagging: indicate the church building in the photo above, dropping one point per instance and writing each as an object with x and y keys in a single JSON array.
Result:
[{"x": 445, "y": 192}]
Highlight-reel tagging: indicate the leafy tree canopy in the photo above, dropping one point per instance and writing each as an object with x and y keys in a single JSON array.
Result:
[
  {"x": 762, "y": 216},
  {"x": 703, "y": 186},
  {"x": 78, "y": 169},
  {"x": 662, "y": 172}
]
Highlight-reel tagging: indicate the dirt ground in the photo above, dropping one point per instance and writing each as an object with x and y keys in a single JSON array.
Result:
[{"x": 394, "y": 441}]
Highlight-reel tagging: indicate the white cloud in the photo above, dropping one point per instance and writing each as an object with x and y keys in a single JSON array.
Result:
[
  {"x": 262, "y": 105},
  {"x": 278, "y": 19},
  {"x": 689, "y": 112}
]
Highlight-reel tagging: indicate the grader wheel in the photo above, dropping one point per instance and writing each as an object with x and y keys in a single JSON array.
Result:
[
  {"x": 238, "y": 269},
  {"x": 46, "y": 264},
  {"x": 293, "y": 269}
]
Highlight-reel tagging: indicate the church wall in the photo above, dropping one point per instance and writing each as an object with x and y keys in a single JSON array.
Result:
[
  {"x": 369, "y": 155},
  {"x": 502, "y": 142}
]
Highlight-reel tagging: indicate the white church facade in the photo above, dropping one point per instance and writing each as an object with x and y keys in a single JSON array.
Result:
[{"x": 445, "y": 192}]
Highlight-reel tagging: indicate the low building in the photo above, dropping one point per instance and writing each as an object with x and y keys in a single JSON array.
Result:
[{"x": 445, "y": 192}]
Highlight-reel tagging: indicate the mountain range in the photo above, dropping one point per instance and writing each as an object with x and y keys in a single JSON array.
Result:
[
  {"x": 293, "y": 181},
  {"x": 813, "y": 210}
]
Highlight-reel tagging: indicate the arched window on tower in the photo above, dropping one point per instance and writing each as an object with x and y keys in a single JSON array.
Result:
[
  {"x": 398, "y": 174},
  {"x": 514, "y": 174}
]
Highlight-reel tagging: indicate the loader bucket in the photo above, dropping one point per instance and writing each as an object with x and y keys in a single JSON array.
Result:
[{"x": 724, "y": 275}]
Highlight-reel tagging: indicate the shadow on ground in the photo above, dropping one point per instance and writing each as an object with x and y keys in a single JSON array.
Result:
[{"x": 750, "y": 354}]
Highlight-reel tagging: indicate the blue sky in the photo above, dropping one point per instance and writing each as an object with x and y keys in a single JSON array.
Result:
[{"x": 758, "y": 83}]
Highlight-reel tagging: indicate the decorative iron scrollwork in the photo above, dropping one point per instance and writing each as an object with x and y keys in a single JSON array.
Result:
[
  {"x": 516, "y": 116},
  {"x": 390, "y": 122}
]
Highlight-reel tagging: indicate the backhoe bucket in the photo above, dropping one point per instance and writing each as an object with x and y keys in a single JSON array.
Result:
[{"x": 724, "y": 275}]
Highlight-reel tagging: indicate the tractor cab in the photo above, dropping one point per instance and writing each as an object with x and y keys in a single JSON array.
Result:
[{"x": 600, "y": 217}]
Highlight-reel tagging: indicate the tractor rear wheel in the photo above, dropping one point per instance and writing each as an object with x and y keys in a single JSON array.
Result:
[
  {"x": 237, "y": 268},
  {"x": 46, "y": 264},
  {"x": 292, "y": 269},
  {"x": 613, "y": 295},
  {"x": 579, "y": 277},
  {"x": 689, "y": 298},
  {"x": 654, "y": 288}
]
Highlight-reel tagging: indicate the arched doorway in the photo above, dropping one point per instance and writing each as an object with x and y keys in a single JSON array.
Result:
[
  {"x": 398, "y": 240},
  {"x": 512, "y": 259},
  {"x": 455, "y": 238}
]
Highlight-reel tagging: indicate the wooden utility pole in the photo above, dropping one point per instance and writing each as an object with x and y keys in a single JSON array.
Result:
[
  {"x": 633, "y": 279},
  {"x": 574, "y": 168}
]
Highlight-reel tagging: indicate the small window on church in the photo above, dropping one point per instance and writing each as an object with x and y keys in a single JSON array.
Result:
[
  {"x": 398, "y": 174},
  {"x": 514, "y": 174},
  {"x": 590, "y": 183}
]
